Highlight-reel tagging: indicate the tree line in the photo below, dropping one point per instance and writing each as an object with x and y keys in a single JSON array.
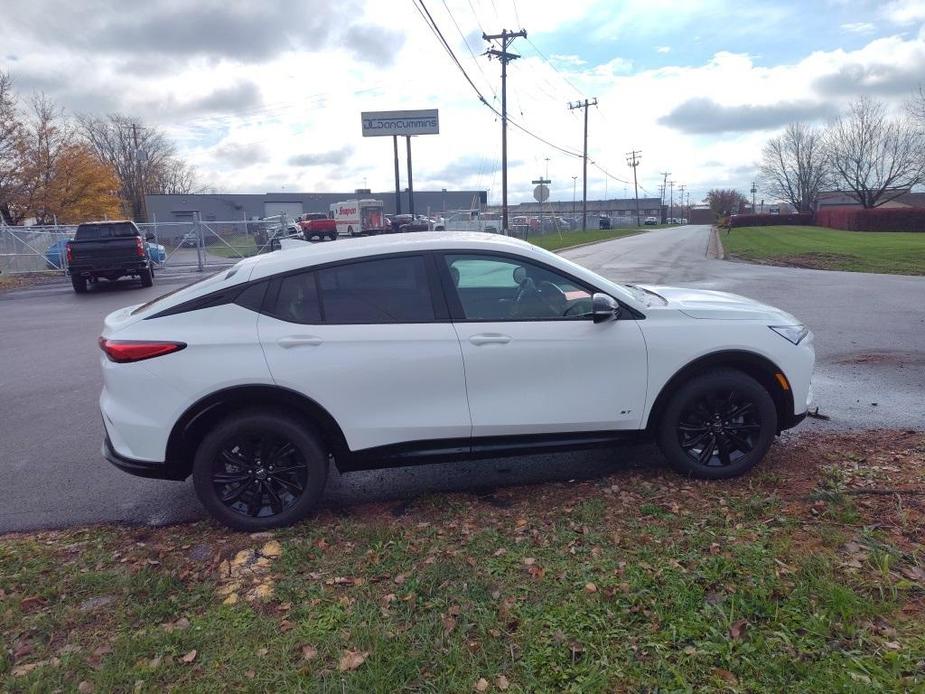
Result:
[
  {"x": 865, "y": 153},
  {"x": 58, "y": 167}
]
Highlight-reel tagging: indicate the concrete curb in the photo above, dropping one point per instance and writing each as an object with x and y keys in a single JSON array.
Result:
[
  {"x": 715, "y": 247},
  {"x": 592, "y": 243}
]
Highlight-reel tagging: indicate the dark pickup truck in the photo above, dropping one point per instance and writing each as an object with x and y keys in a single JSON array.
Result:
[{"x": 110, "y": 250}]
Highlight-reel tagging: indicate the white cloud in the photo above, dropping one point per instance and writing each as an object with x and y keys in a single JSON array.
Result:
[
  {"x": 858, "y": 27},
  {"x": 663, "y": 49},
  {"x": 905, "y": 11}
]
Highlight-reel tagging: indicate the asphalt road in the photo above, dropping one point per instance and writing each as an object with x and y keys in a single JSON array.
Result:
[{"x": 870, "y": 336}]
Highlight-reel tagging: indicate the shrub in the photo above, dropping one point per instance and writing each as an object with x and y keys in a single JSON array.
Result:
[
  {"x": 767, "y": 220},
  {"x": 876, "y": 219}
]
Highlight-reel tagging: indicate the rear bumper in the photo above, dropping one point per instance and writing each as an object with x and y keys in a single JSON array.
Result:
[
  {"x": 109, "y": 268},
  {"x": 139, "y": 468}
]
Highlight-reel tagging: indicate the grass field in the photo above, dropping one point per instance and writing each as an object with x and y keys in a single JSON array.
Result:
[
  {"x": 806, "y": 575},
  {"x": 242, "y": 246},
  {"x": 552, "y": 242},
  {"x": 900, "y": 253}
]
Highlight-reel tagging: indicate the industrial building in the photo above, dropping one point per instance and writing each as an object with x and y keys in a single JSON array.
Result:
[{"x": 229, "y": 207}]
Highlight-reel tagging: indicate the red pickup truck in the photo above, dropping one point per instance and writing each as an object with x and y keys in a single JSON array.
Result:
[{"x": 318, "y": 225}]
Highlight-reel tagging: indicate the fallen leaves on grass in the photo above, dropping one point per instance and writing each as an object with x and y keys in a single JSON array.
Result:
[
  {"x": 189, "y": 657},
  {"x": 737, "y": 630},
  {"x": 309, "y": 652},
  {"x": 351, "y": 660}
]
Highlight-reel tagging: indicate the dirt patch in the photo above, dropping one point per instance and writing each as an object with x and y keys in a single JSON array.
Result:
[
  {"x": 890, "y": 358},
  {"x": 811, "y": 261},
  {"x": 29, "y": 279}
]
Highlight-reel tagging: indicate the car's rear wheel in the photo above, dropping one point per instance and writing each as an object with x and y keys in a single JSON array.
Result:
[
  {"x": 79, "y": 283},
  {"x": 147, "y": 277},
  {"x": 259, "y": 470},
  {"x": 717, "y": 425}
]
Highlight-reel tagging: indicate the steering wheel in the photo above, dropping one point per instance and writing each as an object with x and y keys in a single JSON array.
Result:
[{"x": 553, "y": 296}]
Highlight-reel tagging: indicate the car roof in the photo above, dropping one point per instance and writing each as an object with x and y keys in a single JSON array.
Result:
[{"x": 348, "y": 248}]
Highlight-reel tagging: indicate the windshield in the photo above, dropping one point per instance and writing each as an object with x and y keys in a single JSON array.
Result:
[{"x": 92, "y": 232}]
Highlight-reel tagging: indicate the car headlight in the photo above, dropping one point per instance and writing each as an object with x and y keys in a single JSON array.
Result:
[{"x": 791, "y": 333}]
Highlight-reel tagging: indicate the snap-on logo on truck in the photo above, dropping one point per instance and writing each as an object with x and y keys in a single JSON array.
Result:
[{"x": 345, "y": 211}]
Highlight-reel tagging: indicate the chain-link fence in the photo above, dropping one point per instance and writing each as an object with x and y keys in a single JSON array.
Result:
[{"x": 186, "y": 245}]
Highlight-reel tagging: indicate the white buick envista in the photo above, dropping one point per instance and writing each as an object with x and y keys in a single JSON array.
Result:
[{"x": 433, "y": 347}]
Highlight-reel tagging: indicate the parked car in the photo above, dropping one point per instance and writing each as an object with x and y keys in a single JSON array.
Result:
[
  {"x": 683, "y": 220},
  {"x": 406, "y": 222},
  {"x": 109, "y": 250},
  {"x": 434, "y": 346},
  {"x": 604, "y": 222},
  {"x": 318, "y": 225},
  {"x": 650, "y": 221}
]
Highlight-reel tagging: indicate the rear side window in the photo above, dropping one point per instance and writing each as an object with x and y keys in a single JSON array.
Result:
[
  {"x": 297, "y": 299},
  {"x": 93, "y": 232},
  {"x": 389, "y": 290},
  {"x": 252, "y": 297}
]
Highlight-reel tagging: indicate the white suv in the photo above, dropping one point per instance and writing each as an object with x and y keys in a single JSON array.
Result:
[{"x": 432, "y": 347}]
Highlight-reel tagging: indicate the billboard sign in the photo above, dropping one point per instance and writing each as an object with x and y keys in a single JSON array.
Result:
[{"x": 419, "y": 122}]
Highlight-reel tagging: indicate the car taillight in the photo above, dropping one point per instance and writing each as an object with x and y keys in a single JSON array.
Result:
[
  {"x": 125, "y": 351},
  {"x": 139, "y": 246},
  {"x": 69, "y": 253}
]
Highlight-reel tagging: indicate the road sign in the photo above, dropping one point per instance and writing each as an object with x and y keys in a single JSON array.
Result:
[
  {"x": 541, "y": 193},
  {"x": 419, "y": 122}
]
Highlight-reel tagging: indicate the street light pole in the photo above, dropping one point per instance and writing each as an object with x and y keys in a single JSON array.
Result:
[{"x": 574, "y": 182}]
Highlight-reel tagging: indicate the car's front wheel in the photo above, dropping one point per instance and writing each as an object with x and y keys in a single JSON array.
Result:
[
  {"x": 717, "y": 425},
  {"x": 259, "y": 470}
]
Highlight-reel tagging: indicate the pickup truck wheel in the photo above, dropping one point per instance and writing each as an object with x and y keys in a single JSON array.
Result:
[
  {"x": 79, "y": 283},
  {"x": 147, "y": 277},
  {"x": 258, "y": 470},
  {"x": 332, "y": 236},
  {"x": 717, "y": 425}
]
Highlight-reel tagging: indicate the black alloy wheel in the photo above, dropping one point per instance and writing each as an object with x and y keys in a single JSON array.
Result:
[
  {"x": 719, "y": 424},
  {"x": 258, "y": 470},
  {"x": 259, "y": 475},
  {"x": 719, "y": 428}
]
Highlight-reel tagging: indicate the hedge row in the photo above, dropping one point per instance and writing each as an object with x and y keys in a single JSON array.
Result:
[
  {"x": 766, "y": 220},
  {"x": 877, "y": 219}
]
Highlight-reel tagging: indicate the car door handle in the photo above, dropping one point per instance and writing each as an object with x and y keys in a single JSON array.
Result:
[
  {"x": 298, "y": 340},
  {"x": 489, "y": 339}
]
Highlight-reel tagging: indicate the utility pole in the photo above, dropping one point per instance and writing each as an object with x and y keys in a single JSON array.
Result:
[
  {"x": 671, "y": 204},
  {"x": 632, "y": 158},
  {"x": 665, "y": 175},
  {"x": 574, "y": 181},
  {"x": 753, "y": 191},
  {"x": 584, "y": 184},
  {"x": 505, "y": 57},
  {"x": 682, "y": 198},
  {"x": 139, "y": 178}
]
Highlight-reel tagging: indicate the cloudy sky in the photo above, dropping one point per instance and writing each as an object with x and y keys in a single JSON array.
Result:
[{"x": 266, "y": 95}]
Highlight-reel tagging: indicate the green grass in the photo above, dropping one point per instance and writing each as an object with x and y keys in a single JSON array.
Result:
[
  {"x": 553, "y": 241},
  {"x": 241, "y": 246},
  {"x": 640, "y": 581},
  {"x": 900, "y": 253}
]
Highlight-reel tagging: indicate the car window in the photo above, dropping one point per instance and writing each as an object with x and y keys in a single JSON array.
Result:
[
  {"x": 389, "y": 290},
  {"x": 498, "y": 289},
  {"x": 297, "y": 299},
  {"x": 92, "y": 232}
]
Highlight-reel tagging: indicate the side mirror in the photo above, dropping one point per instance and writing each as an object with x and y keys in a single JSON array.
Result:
[
  {"x": 604, "y": 308},
  {"x": 149, "y": 236}
]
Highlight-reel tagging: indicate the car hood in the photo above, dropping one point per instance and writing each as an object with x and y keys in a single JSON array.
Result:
[{"x": 707, "y": 304}]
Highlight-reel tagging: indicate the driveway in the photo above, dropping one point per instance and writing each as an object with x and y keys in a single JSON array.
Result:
[{"x": 870, "y": 332}]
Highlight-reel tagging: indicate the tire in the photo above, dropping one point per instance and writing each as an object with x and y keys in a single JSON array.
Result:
[
  {"x": 717, "y": 425},
  {"x": 333, "y": 236},
  {"x": 281, "y": 498},
  {"x": 147, "y": 277},
  {"x": 79, "y": 283}
]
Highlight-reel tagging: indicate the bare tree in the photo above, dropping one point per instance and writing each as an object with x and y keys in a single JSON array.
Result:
[
  {"x": 794, "y": 167},
  {"x": 873, "y": 157},
  {"x": 140, "y": 155},
  {"x": 916, "y": 106},
  {"x": 726, "y": 201},
  {"x": 176, "y": 177}
]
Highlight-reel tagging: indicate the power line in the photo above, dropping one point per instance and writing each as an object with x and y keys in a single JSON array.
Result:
[
  {"x": 469, "y": 48},
  {"x": 558, "y": 72}
]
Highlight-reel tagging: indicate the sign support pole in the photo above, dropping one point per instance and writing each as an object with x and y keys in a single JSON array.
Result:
[
  {"x": 397, "y": 179},
  {"x": 410, "y": 183}
]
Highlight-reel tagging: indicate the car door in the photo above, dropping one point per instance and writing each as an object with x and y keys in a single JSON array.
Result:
[
  {"x": 536, "y": 363},
  {"x": 371, "y": 342}
]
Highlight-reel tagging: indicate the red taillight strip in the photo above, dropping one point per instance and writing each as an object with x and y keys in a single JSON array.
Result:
[{"x": 126, "y": 351}]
